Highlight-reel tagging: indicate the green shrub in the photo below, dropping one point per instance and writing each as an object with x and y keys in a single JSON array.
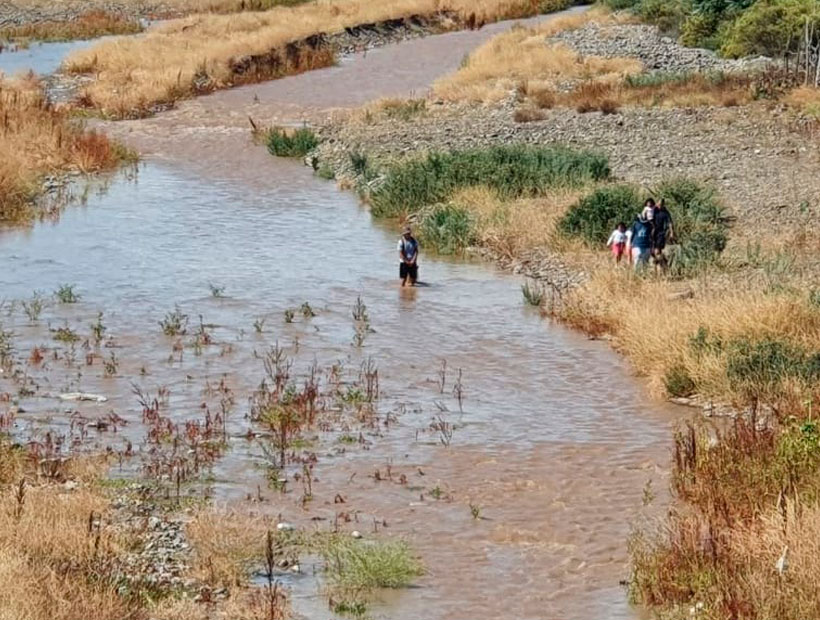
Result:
[
  {"x": 362, "y": 566},
  {"x": 447, "y": 228},
  {"x": 298, "y": 143},
  {"x": 404, "y": 110},
  {"x": 699, "y": 30},
  {"x": 758, "y": 369},
  {"x": 678, "y": 382},
  {"x": 771, "y": 27},
  {"x": 668, "y": 15},
  {"x": 595, "y": 216},
  {"x": 700, "y": 225},
  {"x": 619, "y": 5},
  {"x": 699, "y": 220},
  {"x": 513, "y": 171},
  {"x": 658, "y": 78}
]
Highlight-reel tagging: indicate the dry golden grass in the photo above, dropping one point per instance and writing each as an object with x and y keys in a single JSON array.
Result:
[
  {"x": 511, "y": 228},
  {"x": 521, "y": 59},
  {"x": 697, "y": 90},
  {"x": 188, "y": 55},
  {"x": 52, "y": 563},
  {"x": 652, "y": 323},
  {"x": 38, "y": 139},
  {"x": 86, "y": 26},
  {"x": 807, "y": 100},
  {"x": 228, "y": 545}
]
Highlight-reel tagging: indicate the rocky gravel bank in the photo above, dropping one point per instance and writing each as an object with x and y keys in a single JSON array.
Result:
[
  {"x": 14, "y": 14},
  {"x": 656, "y": 51}
]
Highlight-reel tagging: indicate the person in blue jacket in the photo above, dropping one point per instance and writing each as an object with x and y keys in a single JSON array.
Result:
[{"x": 641, "y": 241}]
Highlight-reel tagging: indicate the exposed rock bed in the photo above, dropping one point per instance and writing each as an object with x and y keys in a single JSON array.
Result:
[
  {"x": 13, "y": 14},
  {"x": 647, "y": 44}
]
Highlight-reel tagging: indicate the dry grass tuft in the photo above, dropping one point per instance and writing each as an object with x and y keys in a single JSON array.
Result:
[
  {"x": 228, "y": 545},
  {"x": 207, "y": 52},
  {"x": 511, "y": 228},
  {"x": 58, "y": 552},
  {"x": 605, "y": 304},
  {"x": 522, "y": 59},
  {"x": 807, "y": 100},
  {"x": 39, "y": 139}
]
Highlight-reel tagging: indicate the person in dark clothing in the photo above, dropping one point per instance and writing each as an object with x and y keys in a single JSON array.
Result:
[
  {"x": 663, "y": 232},
  {"x": 408, "y": 258},
  {"x": 641, "y": 241}
]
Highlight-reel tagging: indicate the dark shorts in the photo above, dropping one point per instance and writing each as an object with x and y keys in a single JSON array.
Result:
[
  {"x": 411, "y": 271},
  {"x": 659, "y": 243}
]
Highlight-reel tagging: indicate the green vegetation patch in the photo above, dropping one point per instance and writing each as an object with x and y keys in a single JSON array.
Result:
[
  {"x": 513, "y": 171},
  {"x": 361, "y": 566},
  {"x": 700, "y": 222},
  {"x": 447, "y": 228},
  {"x": 291, "y": 143},
  {"x": 735, "y": 28}
]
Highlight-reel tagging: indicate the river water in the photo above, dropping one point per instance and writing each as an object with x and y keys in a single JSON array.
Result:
[{"x": 556, "y": 439}]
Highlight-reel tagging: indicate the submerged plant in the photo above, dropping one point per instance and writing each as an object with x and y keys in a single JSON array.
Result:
[
  {"x": 533, "y": 293},
  {"x": 216, "y": 291},
  {"x": 175, "y": 323},
  {"x": 98, "y": 329},
  {"x": 66, "y": 334},
  {"x": 34, "y": 307},
  {"x": 307, "y": 311},
  {"x": 66, "y": 294},
  {"x": 356, "y": 566}
]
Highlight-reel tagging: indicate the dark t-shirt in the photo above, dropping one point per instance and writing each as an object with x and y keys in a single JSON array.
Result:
[{"x": 663, "y": 220}]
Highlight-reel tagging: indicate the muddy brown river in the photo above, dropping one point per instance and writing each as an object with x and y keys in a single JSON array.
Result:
[{"x": 556, "y": 439}]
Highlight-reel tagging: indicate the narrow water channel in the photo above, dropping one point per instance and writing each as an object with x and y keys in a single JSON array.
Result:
[{"x": 556, "y": 439}]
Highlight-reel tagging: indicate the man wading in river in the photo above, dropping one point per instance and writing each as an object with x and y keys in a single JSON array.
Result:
[{"x": 408, "y": 257}]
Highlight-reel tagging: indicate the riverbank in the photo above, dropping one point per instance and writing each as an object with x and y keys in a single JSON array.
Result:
[
  {"x": 204, "y": 53},
  {"x": 42, "y": 146},
  {"x": 736, "y": 332},
  {"x": 760, "y": 157}
]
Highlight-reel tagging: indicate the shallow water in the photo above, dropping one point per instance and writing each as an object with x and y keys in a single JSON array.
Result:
[
  {"x": 41, "y": 58},
  {"x": 556, "y": 438}
]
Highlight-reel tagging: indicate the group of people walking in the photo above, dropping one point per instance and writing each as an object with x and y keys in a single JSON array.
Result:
[{"x": 646, "y": 238}]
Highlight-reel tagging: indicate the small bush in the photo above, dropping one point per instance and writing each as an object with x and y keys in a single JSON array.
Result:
[
  {"x": 363, "y": 566},
  {"x": 298, "y": 143},
  {"x": 447, "y": 228},
  {"x": 404, "y": 109},
  {"x": 528, "y": 115},
  {"x": 657, "y": 78},
  {"x": 770, "y": 28},
  {"x": 678, "y": 382},
  {"x": 533, "y": 294},
  {"x": 668, "y": 15},
  {"x": 760, "y": 369},
  {"x": 619, "y": 5},
  {"x": 594, "y": 217},
  {"x": 513, "y": 171}
]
